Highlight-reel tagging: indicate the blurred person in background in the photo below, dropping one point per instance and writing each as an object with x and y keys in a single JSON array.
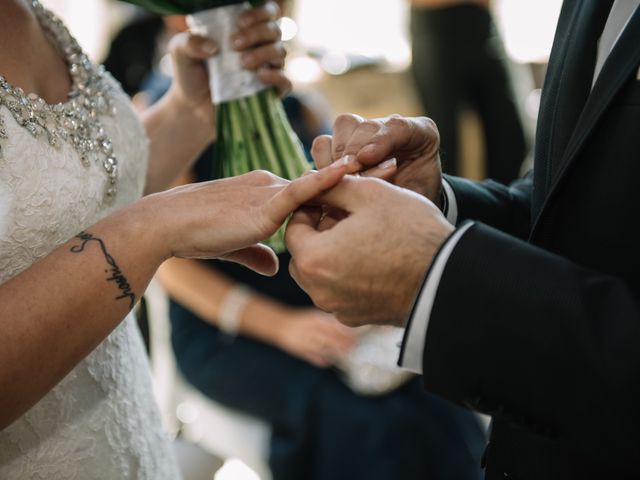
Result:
[
  {"x": 285, "y": 363},
  {"x": 459, "y": 62}
]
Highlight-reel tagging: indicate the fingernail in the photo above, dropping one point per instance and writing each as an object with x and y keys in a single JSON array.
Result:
[
  {"x": 209, "y": 47},
  {"x": 344, "y": 161},
  {"x": 391, "y": 163},
  {"x": 272, "y": 7},
  {"x": 238, "y": 42},
  {"x": 349, "y": 159},
  {"x": 368, "y": 149}
]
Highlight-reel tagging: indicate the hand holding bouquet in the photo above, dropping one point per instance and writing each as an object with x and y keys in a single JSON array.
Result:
[{"x": 252, "y": 129}]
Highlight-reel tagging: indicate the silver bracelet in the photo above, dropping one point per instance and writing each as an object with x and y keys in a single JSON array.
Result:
[{"x": 232, "y": 308}]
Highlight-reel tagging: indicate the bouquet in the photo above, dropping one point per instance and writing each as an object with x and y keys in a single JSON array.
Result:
[{"x": 253, "y": 131}]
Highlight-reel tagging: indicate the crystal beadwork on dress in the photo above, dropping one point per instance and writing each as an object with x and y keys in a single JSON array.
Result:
[{"x": 76, "y": 121}]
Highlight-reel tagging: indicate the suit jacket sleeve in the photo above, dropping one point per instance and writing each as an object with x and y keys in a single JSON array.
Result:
[
  {"x": 532, "y": 338},
  {"x": 506, "y": 208}
]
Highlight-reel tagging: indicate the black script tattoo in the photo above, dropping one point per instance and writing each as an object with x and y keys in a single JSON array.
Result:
[{"x": 114, "y": 271}]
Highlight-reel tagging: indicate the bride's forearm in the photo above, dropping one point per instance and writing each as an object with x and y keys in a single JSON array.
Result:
[
  {"x": 178, "y": 133},
  {"x": 56, "y": 312}
]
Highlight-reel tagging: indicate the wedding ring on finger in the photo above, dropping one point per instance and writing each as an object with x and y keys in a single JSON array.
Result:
[{"x": 324, "y": 213}]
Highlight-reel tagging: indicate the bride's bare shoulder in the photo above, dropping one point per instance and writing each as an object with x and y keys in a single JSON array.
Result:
[
  {"x": 28, "y": 58},
  {"x": 17, "y": 25}
]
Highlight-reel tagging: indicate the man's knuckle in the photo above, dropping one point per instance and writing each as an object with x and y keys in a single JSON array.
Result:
[
  {"x": 346, "y": 120},
  {"x": 261, "y": 177},
  {"x": 320, "y": 144},
  {"x": 429, "y": 123},
  {"x": 398, "y": 122},
  {"x": 328, "y": 302},
  {"x": 369, "y": 126}
]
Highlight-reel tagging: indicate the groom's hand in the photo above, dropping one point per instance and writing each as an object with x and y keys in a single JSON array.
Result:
[
  {"x": 413, "y": 142},
  {"x": 367, "y": 267}
]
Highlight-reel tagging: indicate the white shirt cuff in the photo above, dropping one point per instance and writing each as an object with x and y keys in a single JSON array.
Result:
[
  {"x": 416, "y": 332},
  {"x": 452, "y": 205}
]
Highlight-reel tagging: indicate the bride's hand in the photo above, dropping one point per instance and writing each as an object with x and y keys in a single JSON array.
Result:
[
  {"x": 227, "y": 218},
  {"x": 258, "y": 38}
]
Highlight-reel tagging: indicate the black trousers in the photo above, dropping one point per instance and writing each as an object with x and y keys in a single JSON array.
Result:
[{"x": 459, "y": 60}]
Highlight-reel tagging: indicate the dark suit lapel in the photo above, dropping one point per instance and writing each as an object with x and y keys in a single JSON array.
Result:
[
  {"x": 571, "y": 75},
  {"x": 567, "y": 25},
  {"x": 621, "y": 63}
]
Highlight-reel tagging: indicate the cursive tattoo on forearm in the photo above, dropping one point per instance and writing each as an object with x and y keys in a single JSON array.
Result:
[{"x": 114, "y": 272}]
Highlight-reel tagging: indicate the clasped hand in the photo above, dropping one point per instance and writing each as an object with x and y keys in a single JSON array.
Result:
[{"x": 363, "y": 254}]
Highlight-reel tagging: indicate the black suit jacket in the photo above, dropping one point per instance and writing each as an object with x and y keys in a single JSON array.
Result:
[{"x": 537, "y": 317}]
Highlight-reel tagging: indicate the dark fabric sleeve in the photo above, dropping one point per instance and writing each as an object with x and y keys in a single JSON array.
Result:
[
  {"x": 533, "y": 339},
  {"x": 507, "y": 208}
]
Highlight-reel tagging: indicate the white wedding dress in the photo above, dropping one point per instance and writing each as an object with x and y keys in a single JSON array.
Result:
[{"x": 63, "y": 168}]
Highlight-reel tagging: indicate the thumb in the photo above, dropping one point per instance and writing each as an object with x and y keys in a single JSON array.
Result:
[
  {"x": 352, "y": 193},
  {"x": 258, "y": 258}
]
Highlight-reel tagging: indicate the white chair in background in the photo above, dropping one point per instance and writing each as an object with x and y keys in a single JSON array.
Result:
[{"x": 221, "y": 431}]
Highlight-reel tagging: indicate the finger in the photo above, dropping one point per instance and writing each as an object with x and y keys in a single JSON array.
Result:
[
  {"x": 259, "y": 258},
  {"x": 364, "y": 134},
  {"x": 187, "y": 48},
  {"x": 264, "y": 13},
  {"x": 276, "y": 78},
  {"x": 354, "y": 193},
  {"x": 294, "y": 273},
  {"x": 321, "y": 151},
  {"x": 300, "y": 231},
  {"x": 349, "y": 195},
  {"x": 343, "y": 129},
  {"x": 302, "y": 190},
  {"x": 384, "y": 171},
  {"x": 314, "y": 213},
  {"x": 272, "y": 55},
  {"x": 342, "y": 338},
  {"x": 330, "y": 218},
  {"x": 400, "y": 134},
  {"x": 318, "y": 360},
  {"x": 256, "y": 35},
  {"x": 353, "y": 319}
]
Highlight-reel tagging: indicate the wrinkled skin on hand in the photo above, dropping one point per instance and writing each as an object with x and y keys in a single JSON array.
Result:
[
  {"x": 413, "y": 142},
  {"x": 366, "y": 267}
]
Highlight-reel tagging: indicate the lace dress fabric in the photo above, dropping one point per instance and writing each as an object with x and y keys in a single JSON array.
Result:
[{"x": 101, "y": 420}]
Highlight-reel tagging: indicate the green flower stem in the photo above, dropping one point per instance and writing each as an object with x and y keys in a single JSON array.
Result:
[
  {"x": 265, "y": 135},
  {"x": 254, "y": 133}
]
